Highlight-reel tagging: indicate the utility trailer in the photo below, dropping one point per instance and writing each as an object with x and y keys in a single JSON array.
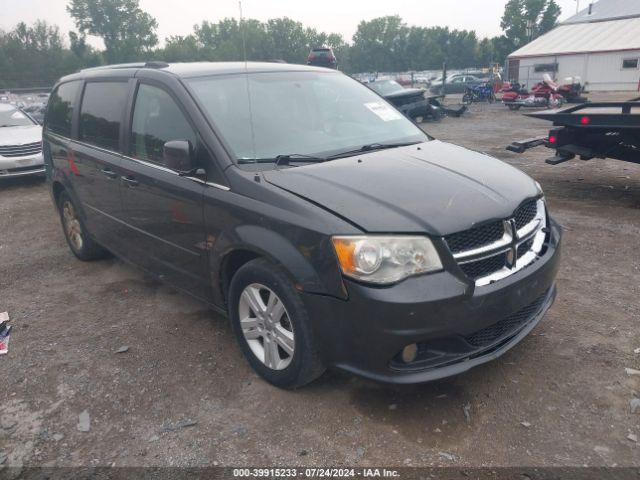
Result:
[{"x": 590, "y": 130}]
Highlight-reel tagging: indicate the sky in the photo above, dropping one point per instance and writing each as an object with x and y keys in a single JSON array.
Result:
[{"x": 177, "y": 17}]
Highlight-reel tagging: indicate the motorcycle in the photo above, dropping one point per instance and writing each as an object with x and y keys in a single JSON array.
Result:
[
  {"x": 544, "y": 94},
  {"x": 572, "y": 90},
  {"x": 479, "y": 93}
]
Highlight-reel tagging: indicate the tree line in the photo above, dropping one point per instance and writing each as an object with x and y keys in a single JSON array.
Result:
[{"x": 36, "y": 55}]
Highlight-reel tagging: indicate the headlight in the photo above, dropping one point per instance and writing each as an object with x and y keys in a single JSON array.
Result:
[{"x": 385, "y": 259}]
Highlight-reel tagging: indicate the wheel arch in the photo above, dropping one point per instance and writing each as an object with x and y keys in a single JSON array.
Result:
[
  {"x": 249, "y": 242},
  {"x": 56, "y": 190}
]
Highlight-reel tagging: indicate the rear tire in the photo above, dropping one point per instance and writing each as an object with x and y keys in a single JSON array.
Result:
[
  {"x": 78, "y": 237},
  {"x": 279, "y": 346}
]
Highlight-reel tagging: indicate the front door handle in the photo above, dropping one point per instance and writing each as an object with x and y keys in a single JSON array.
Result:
[
  {"x": 109, "y": 173},
  {"x": 130, "y": 181}
]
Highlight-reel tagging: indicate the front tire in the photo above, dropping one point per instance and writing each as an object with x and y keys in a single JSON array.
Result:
[
  {"x": 78, "y": 238},
  {"x": 272, "y": 326}
]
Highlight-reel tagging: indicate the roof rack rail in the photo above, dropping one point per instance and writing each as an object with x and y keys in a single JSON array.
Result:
[
  {"x": 151, "y": 64},
  {"x": 156, "y": 64}
]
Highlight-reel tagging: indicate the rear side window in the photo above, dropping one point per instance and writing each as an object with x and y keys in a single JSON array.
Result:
[
  {"x": 157, "y": 119},
  {"x": 103, "y": 106},
  {"x": 61, "y": 107}
]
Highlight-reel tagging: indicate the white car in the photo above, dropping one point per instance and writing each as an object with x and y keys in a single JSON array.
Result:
[{"x": 20, "y": 143}]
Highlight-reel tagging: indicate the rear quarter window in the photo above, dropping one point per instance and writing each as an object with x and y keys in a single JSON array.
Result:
[
  {"x": 101, "y": 113},
  {"x": 61, "y": 108}
]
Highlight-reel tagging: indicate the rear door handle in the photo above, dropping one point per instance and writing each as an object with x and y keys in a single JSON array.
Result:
[
  {"x": 130, "y": 181},
  {"x": 109, "y": 173}
]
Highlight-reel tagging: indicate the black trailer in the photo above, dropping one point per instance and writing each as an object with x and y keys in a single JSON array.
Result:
[{"x": 590, "y": 130}]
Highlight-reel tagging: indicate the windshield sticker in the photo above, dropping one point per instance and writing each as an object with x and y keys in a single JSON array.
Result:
[
  {"x": 18, "y": 115},
  {"x": 384, "y": 111}
]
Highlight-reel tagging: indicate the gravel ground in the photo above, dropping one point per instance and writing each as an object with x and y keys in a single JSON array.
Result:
[{"x": 183, "y": 395}]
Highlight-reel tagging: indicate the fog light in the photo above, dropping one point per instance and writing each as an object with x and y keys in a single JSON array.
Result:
[{"x": 409, "y": 353}]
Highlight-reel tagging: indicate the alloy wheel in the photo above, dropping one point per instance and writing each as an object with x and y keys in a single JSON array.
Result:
[
  {"x": 72, "y": 225},
  {"x": 266, "y": 326}
]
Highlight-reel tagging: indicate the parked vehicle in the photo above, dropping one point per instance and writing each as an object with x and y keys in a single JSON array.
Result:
[
  {"x": 479, "y": 93},
  {"x": 572, "y": 90},
  {"x": 322, "y": 57},
  {"x": 20, "y": 143},
  {"x": 455, "y": 84},
  {"x": 591, "y": 130},
  {"x": 413, "y": 102},
  {"x": 36, "y": 112},
  {"x": 328, "y": 227},
  {"x": 543, "y": 95},
  {"x": 410, "y": 101}
]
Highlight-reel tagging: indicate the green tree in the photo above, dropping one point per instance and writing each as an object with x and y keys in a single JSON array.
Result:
[
  {"x": 379, "y": 45},
  {"x": 485, "y": 52},
  {"x": 127, "y": 31},
  {"x": 34, "y": 56},
  {"x": 181, "y": 49},
  {"x": 289, "y": 40},
  {"x": 87, "y": 56},
  {"x": 540, "y": 15},
  {"x": 228, "y": 40}
]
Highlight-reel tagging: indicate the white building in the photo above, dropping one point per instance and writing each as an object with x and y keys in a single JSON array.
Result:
[{"x": 600, "y": 44}]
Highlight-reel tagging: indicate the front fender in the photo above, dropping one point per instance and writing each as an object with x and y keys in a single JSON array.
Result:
[{"x": 309, "y": 263}]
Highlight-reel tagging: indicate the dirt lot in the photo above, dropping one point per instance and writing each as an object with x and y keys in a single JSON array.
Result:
[{"x": 561, "y": 397}]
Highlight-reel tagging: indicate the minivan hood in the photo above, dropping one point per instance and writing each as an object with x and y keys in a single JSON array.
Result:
[
  {"x": 20, "y": 135},
  {"x": 434, "y": 187}
]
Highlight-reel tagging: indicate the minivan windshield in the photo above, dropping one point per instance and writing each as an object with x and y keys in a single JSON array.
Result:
[{"x": 266, "y": 115}]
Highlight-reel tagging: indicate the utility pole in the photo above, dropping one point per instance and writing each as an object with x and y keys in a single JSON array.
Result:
[
  {"x": 530, "y": 28},
  {"x": 577, "y": 6}
]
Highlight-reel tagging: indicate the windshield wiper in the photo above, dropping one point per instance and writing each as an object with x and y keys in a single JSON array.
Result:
[
  {"x": 284, "y": 159},
  {"x": 7, "y": 125},
  {"x": 371, "y": 147}
]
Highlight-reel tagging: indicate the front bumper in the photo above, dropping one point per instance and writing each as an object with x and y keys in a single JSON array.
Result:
[
  {"x": 22, "y": 166},
  {"x": 456, "y": 325}
]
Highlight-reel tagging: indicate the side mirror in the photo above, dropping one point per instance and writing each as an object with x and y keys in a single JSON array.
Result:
[{"x": 177, "y": 155}]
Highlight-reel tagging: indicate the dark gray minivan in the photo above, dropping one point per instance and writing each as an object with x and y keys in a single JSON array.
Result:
[{"x": 327, "y": 226}]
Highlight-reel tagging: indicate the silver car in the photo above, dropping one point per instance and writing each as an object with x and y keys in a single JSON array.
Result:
[{"x": 20, "y": 143}]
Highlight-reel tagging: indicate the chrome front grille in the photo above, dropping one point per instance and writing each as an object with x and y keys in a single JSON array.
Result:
[
  {"x": 475, "y": 237},
  {"x": 20, "y": 150},
  {"x": 496, "y": 250},
  {"x": 526, "y": 213}
]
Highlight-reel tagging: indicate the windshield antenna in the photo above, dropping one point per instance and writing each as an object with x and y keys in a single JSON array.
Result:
[
  {"x": 242, "y": 32},
  {"x": 246, "y": 76}
]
